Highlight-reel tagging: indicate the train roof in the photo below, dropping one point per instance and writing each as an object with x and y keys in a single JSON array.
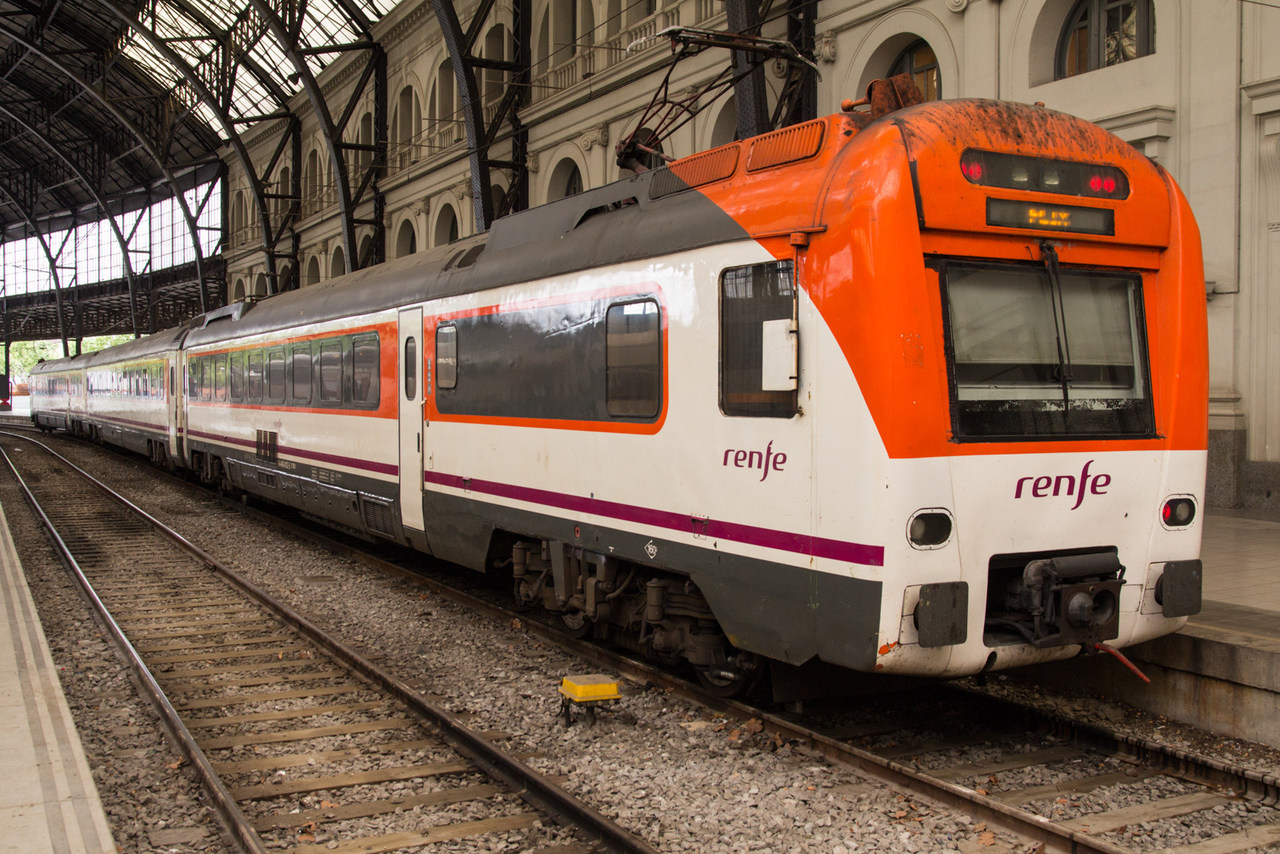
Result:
[
  {"x": 137, "y": 350},
  {"x": 640, "y": 217}
]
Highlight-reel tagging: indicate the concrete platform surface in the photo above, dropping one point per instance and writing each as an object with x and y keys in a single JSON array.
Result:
[{"x": 48, "y": 799}]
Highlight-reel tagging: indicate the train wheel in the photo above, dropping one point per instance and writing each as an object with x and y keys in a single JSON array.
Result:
[
  {"x": 576, "y": 624},
  {"x": 737, "y": 680}
]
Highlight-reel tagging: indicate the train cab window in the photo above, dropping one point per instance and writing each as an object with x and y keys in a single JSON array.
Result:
[
  {"x": 253, "y": 377},
  {"x": 300, "y": 359},
  {"x": 757, "y": 308},
  {"x": 331, "y": 371},
  {"x": 275, "y": 375},
  {"x": 236, "y": 377},
  {"x": 365, "y": 368},
  {"x": 447, "y": 357},
  {"x": 633, "y": 359},
  {"x": 1045, "y": 352}
]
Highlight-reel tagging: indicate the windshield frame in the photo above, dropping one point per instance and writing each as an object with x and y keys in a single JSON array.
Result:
[{"x": 1053, "y": 405}]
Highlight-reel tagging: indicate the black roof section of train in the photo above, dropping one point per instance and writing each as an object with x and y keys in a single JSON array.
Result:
[{"x": 615, "y": 224}]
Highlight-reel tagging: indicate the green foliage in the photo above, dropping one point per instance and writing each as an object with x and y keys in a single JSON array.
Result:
[{"x": 23, "y": 355}]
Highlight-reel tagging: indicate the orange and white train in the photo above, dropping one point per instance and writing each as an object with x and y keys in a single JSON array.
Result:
[{"x": 918, "y": 394}]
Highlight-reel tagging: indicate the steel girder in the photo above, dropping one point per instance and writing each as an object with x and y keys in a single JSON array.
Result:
[
  {"x": 53, "y": 272},
  {"x": 481, "y": 137},
  {"x": 87, "y": 89},
  {"x": 287, "y": 35},
  {"x": 92, "y": 188},
  {"x": 216, "y": 98},
  {"x": 798, "y": 100}
]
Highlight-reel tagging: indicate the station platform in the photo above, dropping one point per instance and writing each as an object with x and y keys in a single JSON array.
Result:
[
  {"x": 49, "y": 802},
  {"x": 1221, "y": 672}
]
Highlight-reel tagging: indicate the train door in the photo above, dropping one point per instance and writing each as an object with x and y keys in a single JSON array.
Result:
[
  {"x": 411, "y": 418},
  {"x": 175, "y": 390}
]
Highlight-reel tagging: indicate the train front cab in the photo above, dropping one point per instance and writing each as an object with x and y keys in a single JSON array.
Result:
[{"x": 1053, "y": 447}]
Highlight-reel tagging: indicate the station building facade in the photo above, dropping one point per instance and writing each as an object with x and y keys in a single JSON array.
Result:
[{"x": 1191, "y": 85}]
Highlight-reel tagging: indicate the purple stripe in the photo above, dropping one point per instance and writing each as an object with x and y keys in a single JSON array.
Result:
[
  {"x": 749, "y": 534},
  {"x": 303, "y": 453},
  {"x": 159, "y": 428}
]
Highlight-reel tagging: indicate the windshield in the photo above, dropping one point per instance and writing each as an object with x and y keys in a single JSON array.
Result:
[{"x": 1038, "y": 351}]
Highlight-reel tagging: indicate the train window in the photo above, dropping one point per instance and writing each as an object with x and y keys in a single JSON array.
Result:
[
  {"x": 365, "y": 368},
  {"x": 193, "y": 379},
  {"x": 236, "y": 377},
  {"x": 331, "y": 371},
  {"x": 750, "y": 298},
  {"x": 275, "y": 375},
  {"x": 446, "y": 357},
  {"x": 300, "y": 356},
  {"x": 253, "y": 374},
  {"x": 410, "y": 368},
  {"x": 633, "y": 359},
  {"x": 1043, "y": 351},
  {"x": 219, "y": 377},
  {"x": 206, "y": 378}
]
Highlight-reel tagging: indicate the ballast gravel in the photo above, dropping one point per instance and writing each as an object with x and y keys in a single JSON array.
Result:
[{"x": 677, "y": 775}]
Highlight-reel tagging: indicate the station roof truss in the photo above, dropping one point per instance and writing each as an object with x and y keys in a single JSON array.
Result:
[{"x": 107, "y": 106}]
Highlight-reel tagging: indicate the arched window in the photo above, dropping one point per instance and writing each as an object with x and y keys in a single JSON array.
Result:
[
  {"x": 919, "y": 60},
  {"x": 1099, "y": 33},
  {"x": 313, "y": 271},
  {"x": 566, "y": 180},
  {"x": 338, "y": 267},
  {"x": 311, "y": 184},
  {"x": 283, "y": 187},
  {"x": 566, "y": 29},
  {"x": 405, "y": 123},
  {"x": 446, "y": 226},
  {"x": 260, "y": 285},
  {"x": 366, "y": 251},
  {"x": 499, "y": 198},
  {"x": 364, "y": 136},
  {"x": 237, "y": 293},
  {"x": 406, "y": 240},
  {"x": 725, "y": 129},
  {"x": 498, "y": 47}
]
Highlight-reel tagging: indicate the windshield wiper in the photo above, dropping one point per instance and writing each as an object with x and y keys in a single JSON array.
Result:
[{"x": 1050, "y": 256}]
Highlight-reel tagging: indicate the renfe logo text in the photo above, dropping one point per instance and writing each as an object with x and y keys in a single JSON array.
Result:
[
  {"x": 1046, "y": 486},
  {"x": 766, "y": 461}
]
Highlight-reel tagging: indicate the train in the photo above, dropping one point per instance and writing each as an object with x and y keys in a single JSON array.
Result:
[{"x": 919, "y": 392}]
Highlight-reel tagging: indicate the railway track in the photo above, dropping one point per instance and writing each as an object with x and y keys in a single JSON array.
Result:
[
  {"x": 980, "y": 754},
  {"x": 1055, "y": 783},
  {"x": 274, "y": 715}
]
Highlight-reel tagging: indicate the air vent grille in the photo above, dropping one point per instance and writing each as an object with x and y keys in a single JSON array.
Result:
[{"x": 786, "y": 146}]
